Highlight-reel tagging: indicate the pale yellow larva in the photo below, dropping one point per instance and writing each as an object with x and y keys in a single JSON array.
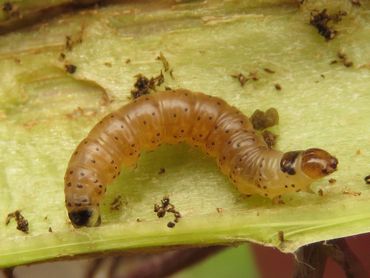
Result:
[{"x": 177, "y": 116}]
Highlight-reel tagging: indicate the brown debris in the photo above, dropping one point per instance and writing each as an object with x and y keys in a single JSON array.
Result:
[
  {"x": 220, "y": 210},
  {"x": 144, "y": 85},
  {"x": 281, "y": 236},
  {"x": 70, "y": 68},
  {"x": 71, "y": 41},
  {"x": 50, "y": 230},
  {"x": 128, "y": 61},
  {"x": 321, "y": 192},
  {"x": 81, "y": 112},
  {"x": 161, "y": 171},
  {"x": 116, "y": 203},
  {"x": 332, "y": 181},
  {"x": 321, "y": 21},
  {"x": 165, "y": 207},
  {"x": 353, "y": 193},
  {"x": 367, "y": 179},
  {"x": 269, "y": 70},
  {"x": 343, "y": 59},
  {"x": 170, "y": 224},
  {"x": 166, "y": 65},
  {"x": 241, "y": 78},
  {"x": 10, "y": 10},
  {"x": 261, "y": 120},
  {"x": 62, "y": 56},
  {"x": 277, "y": 87},
  {"x": 356, "y": 3},
  {"x": 253, "y": 75},
  {"x": 22, "y": 223},
  {"x": 269, "y": 138}
]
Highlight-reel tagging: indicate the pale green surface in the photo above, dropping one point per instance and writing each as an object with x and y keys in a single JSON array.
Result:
[{"x": 40, "y": 124}]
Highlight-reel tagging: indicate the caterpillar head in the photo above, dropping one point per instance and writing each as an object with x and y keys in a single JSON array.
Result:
[
  {"x": 85, "y": 216},
  {"x": 317, "y": 163},
  {"x": 314, "y": 163}
]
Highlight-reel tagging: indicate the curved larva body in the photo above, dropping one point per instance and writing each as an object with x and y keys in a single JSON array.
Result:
[{"x": 172, "y": 117}]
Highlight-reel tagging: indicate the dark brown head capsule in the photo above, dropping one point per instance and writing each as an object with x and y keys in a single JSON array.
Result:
[
  {"x": 317, "y": 163},
  {"x": 84, "y": 217}
]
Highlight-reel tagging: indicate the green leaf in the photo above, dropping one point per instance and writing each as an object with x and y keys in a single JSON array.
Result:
[{"x": 45, "y": 112}]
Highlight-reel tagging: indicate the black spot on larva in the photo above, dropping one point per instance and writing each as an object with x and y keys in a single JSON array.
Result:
[
  {"x": 80, "y": 185},
  {"x": 85, "y": 142},
  {"x": 182, "y": 131},
  {"x": 266, "y": 195},
  {"x": 198, "y": 118},
  {"x": 112, "y": 116},
  {"x": 96, "y": 181},
  {"x": 292, "y": 185},
  {"x": 75, "y": 153},
  {"x": 218, "y": 103},
  {"x": 186, "y": 109},
  {"x": 144, "y": 122},
  {"x": 213, "y": 143},
  {"x": 264, "y": 187},
  {"x": 100, "y": 186},
  {"x": 286, "y": 186},
  {"x": 186, "y": 94},
  {"x": 93, "y": 161},
  {"x": 227, "y": 131},
  {"x": 82, "y": 174},
  {"x": 121, "y": 126},
  {"x": 130, "y": 154},
  {"x": 97, "y": 149},
  {"x": 71, "y": 172},
  {"x": 174, "y": 115},
  {"x": 158, "y": 134},
  {"x": 287, "y": 162},
  {"x": 210, "y": 118},
  {"x": 200, "y": 135},
  {"x": 153, "y": 141},
  {"x": 115, "y": 137},
  {"x": 69, "y": 184},
  {"x": 153, "y": 114},
  {"x": 132, "y": 145},
  {"x": 112, "y": 162}
]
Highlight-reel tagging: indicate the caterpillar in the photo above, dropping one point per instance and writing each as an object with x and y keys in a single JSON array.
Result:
[{"x": 171, "y": 117}]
